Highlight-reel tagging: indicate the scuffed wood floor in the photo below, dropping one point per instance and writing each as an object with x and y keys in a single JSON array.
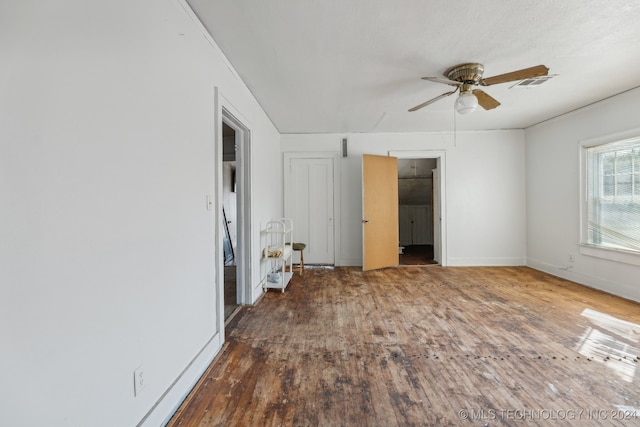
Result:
[{"x": 425, "y": 346}]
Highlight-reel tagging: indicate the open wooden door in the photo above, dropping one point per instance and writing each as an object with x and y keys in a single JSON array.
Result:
[{"x": 380, "y": 232}]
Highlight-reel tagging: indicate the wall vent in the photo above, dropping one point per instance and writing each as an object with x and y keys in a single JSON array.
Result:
[{"x": 533, "y": 81}]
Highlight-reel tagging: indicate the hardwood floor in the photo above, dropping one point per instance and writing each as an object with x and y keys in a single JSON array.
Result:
[
  {"x": 230, "y": 290},
  {"x": 417, "y": 255},
  {"x": 425, "y": 346}
]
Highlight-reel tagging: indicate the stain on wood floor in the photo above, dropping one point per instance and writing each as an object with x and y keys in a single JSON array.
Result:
[{"x": 432, "y": 346}]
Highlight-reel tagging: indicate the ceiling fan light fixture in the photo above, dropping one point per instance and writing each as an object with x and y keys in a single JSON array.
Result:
[
  {"x": 466, "y": 103},
  {"x": 466, "y": 76}
]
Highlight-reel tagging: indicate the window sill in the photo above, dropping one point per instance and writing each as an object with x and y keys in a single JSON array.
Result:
[{"x": 617, "y": 255}]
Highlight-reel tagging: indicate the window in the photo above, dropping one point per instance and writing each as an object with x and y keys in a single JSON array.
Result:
[{"x": 612, "y": 219}]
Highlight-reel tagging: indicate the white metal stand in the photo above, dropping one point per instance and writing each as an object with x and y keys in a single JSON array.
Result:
[{"x": 277, "y": 252}]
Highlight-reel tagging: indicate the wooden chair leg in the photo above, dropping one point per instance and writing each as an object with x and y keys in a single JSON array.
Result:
[{"x": 301, "y": 261}]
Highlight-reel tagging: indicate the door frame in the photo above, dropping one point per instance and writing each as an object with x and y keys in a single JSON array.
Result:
[
  {"x": 227, "y": 113},
  {"x": 334, "y": 156},
  {"x": 440, "y": 156}
]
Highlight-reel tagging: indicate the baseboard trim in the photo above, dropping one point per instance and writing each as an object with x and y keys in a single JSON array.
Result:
[
  {"x": 170, "y": 401},
  {"x": 486, "y": 262},
  {"x": 258, "y": 291},
  {"x": 590, "y": 281},
  {"x": 456, "y": 262},
  {"x": 350, "y": 262}
]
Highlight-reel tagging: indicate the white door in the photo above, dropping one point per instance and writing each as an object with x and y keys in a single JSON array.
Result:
[
  {"x": 309, "y": 203},
  {"x": 421, "y": 218}
]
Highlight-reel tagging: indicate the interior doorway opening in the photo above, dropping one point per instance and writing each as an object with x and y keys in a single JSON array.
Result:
[
  {"x": 230, "y": 219},
  {"x": 237, "y": 182},
  {"x": 416, "y": 210}
]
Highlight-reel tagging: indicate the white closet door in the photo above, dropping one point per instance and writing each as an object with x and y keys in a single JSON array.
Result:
[
  {"x": 405, "y": 226},
  {"x": 309, "y": 202},
  {"x": 421, "y": 217}
]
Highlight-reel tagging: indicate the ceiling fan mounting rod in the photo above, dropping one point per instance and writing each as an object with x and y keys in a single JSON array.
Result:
[
  {"x": 469, "y": 74},
  {"x": 466, "y": 88}
]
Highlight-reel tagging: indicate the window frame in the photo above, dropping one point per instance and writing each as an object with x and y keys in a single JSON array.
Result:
[{"x": 589, "y": 249}]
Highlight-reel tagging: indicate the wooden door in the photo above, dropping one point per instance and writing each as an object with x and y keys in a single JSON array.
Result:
[
  {"x": 380, "y": 212},
  {"x": 309, "y": 203}
]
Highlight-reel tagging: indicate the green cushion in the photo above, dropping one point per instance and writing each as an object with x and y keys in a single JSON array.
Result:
[{"x": 299, "y": 246}]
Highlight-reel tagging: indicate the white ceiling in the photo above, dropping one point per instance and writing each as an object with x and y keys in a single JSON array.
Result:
[{"x": 325, "y": 66}]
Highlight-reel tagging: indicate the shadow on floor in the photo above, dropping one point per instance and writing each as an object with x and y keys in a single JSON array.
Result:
[
  {"x": 417, "y": 255},
  {"x": 230, "y": 290}
]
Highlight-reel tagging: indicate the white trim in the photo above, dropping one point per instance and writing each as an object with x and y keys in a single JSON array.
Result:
[
  {"x": 337, "y": 223},
  {"x": 601, "y": 284},
  {"x": 225, "y": 111},
  {"x": 350, "y": 262},
  {"x": 585, "y": 248},
  {"x": 612, "y": 137},
  {"x": 433, "y": 154},
  {"x": 167, "y": 405},
  {"x": 579, "y": 110},
  {"x": 611, "y": 254},
  {"x": 487, "y": 262}
]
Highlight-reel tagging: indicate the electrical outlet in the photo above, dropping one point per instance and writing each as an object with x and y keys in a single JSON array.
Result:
[
  {"x": 138, "y": 381},
  {"x": 571, "y": 258}
]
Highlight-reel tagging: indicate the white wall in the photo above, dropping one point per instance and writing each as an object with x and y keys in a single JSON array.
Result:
[
  {"x": 552, "y": 153},
  {"x": 484, "y": 190},
  {"x": 106, "y": 247}
]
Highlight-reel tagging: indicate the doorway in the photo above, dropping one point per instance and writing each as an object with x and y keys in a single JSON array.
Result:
[
  {"x": 229, "y": 219},
  {"x": 234, "y": 214},
  {"x": 311, "y": 207},
  {"x": 310, "y": 200},
  {"x": 415, "y": 211},
  {"x": 437, "y": 198},
  {"x": 238, "y": 179}
]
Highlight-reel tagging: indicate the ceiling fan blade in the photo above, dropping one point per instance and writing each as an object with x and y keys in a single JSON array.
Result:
[
  {"x": 431, "y": 101},
  {"x": 485, "y": 100},
  {"x": 525, "y": 73},
  {"x": 442, "y": 80}
]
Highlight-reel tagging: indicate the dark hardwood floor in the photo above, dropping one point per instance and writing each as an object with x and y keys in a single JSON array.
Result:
[
  {"x": 417, "y": 255},
  {"x": 417, "y": 346},
  {"x": 230, "y": 290}
]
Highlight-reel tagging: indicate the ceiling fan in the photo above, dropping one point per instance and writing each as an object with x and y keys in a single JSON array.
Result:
[{"x": 466, "y": 76}]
